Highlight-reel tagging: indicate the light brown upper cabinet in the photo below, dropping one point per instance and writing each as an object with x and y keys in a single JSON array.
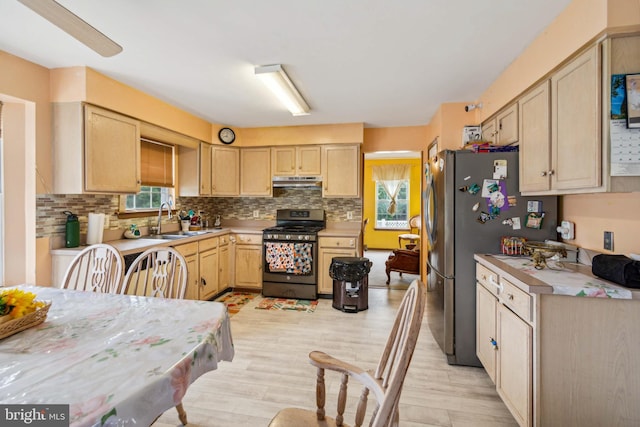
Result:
[
  {"x": 291, "y": 161},
  {"x": 94, "y": 150},
  {"x": 194, "y": 170},
  {"x": 255, "y": 172},
  {"x": 576, "y": 144},
  {"x": 560, "y": 142},
  {"x": 503, "y": 128},
  {"x": 535, "y": 138},
  {"x": 225, "y": 166},
  {"x": 341, "y": 170}
]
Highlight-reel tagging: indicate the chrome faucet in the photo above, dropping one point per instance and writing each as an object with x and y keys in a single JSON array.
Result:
[{"x": 168, "y": 205}]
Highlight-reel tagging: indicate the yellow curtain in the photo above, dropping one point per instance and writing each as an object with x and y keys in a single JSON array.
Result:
[{"x": 391, "y": 176}]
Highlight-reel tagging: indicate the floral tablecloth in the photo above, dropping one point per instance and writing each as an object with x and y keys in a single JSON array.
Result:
[
  {"x": 568, "y": 282},
  {"x": 115, "y": 359}
]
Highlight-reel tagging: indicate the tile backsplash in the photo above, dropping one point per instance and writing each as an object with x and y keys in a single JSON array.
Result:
[{"x": 50, "y": 221}]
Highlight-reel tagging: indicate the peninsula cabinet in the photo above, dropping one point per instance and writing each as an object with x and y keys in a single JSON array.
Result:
[
  {"x": 503, "y": 343},
  {"x": 255, "y": 172},
  {"x": 558, "y": 358},
  {"x": 341, "y": 170},
  {"x": 225, "y": 171},
  {"x": 301, "y": 160},
  {"x": 89, "y": 144},
  {"x": 503, "y": 128},
  {"x": 330, "y": 247}
]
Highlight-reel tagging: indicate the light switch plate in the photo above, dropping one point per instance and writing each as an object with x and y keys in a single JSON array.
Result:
[{"x": 608, "y": 240}]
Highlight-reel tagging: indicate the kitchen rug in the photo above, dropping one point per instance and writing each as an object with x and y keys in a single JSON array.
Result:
[
  {"x": 308, "y": 306},
  {"x": 236, "y": 300}
]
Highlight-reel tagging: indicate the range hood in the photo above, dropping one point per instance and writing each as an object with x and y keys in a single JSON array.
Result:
[{"x": 297, "y": 182}]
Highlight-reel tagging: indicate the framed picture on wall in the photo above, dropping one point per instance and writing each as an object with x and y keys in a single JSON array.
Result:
[{"x": 633, "y": 100}]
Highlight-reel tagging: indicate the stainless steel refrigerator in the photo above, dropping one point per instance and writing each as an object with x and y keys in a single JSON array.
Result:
[{"x": 465, "y": 215}]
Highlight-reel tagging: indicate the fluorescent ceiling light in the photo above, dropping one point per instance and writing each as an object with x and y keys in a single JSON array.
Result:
[
  {"x": 64, "y": 19},
  {"x": 279, "y": 83}
]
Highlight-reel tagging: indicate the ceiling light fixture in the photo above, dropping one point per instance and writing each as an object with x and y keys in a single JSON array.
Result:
[
  {"x": 274, "y": 77},
  {"x": 73, "y": 25}
]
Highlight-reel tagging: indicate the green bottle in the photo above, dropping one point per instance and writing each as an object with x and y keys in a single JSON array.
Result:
[{"x": 72, "y": 230}]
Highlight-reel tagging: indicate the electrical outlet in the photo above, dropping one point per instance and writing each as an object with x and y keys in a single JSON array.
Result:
[
  {"x": 608, "y": 240},
  {"x": 256, "y": 213},
  {"x": 350, "y": 215}
]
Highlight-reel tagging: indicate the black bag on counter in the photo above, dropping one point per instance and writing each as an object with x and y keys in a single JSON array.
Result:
[{"x": 619, "y": 269}]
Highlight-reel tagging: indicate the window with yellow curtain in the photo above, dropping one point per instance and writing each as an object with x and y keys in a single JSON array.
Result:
[
  {"x": 392, "y": 195},
  {"x": 157, "y": 177}
]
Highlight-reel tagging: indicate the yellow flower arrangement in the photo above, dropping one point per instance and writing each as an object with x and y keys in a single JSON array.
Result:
[{"x": 16, "y": 303}]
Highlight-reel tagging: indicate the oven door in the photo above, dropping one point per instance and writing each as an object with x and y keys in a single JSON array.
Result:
[{"x": 289, "y": 262}]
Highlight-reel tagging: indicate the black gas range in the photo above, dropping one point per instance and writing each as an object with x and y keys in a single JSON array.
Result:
[{"x": 290, "y": 254}]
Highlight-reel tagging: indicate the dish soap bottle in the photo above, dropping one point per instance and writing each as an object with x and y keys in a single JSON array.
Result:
[{"x": 71, "y": 230}]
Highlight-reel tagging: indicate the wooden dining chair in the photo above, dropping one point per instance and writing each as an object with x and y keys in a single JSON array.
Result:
[
  {"x": 385, "y": 382},
  {"x": 413, "y": 236},
  {"x": 97, "y": 268},
  {"x": 159, "y": 272}
]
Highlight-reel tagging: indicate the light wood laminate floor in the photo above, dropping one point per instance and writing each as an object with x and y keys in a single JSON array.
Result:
[{"x": 270, "y": 370}]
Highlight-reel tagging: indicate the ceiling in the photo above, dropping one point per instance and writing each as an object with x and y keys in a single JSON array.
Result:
[{"x": 380, "y": 62}]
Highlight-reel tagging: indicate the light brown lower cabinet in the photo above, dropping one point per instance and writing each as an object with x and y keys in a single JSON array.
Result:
[
  {"x": 557, "y": 360},
  {"x": 503, "y": 345},
  {"x": 207, "y": 266},
  {"x": 248, "y": 260}
]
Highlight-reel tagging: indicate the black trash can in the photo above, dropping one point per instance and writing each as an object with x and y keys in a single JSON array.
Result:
[{"x": 350, "y": 283}]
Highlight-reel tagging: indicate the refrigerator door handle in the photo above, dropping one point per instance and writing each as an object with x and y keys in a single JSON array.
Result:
[
  {"x": 435, "y": 270},
  {"x": 431, "y": 207}
]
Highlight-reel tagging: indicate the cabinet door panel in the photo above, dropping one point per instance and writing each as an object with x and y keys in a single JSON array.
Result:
[
  {"x": 284, "y": 161},
  {"x": 486, "y": 330},
  {"x": 112, "y": 152},
  {"x": 576, "y": 121},
  {"x": 308, "y": 160},
  {"x": 535, "y": 139},
  {"x": 341, "y": 171},
  {"x": 205, "y": 169},
  {"x": 208, "y": 274},
  {"x": 255, "y": 170},
  {"x": 515, "y": 364},
  {"x": 225, "y": 173},
  {"x": 507, "y": 123},
  {"x": 249, "y": 265}
]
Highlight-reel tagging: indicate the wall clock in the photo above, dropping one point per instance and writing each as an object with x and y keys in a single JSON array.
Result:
[{"x": 226, "y": 136}]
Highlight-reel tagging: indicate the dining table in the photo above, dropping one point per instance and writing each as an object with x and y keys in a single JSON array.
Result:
[{"x": 114, "y": 359}]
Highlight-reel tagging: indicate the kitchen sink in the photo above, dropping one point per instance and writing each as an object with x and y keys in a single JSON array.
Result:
[{"x": 164, "y": 237}]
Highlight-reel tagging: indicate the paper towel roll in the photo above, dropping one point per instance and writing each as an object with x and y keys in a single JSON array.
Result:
[{"x": 95, "y": 228}]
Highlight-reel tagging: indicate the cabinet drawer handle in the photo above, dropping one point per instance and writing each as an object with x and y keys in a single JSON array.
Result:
[
  {"x": 544, "y": 173},
  {"x": 551, "y": 172},
  {"x": 497, "y": 285},
  {"x": 510, "y": 297},
  {"x": 204, "y": 282}
]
